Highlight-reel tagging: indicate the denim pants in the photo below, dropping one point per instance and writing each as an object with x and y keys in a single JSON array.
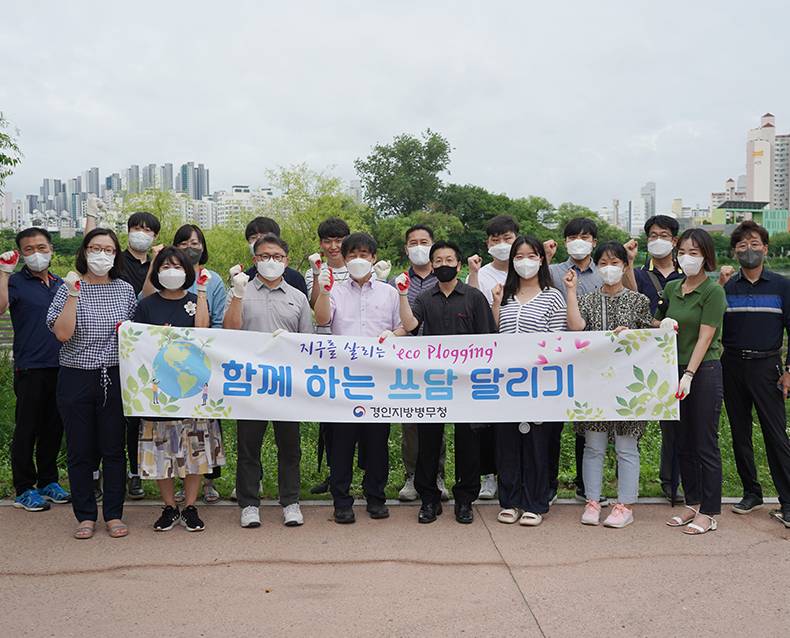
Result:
[
  {"x": 697, "y": 438},
  {"x": 627, "y": 466}
]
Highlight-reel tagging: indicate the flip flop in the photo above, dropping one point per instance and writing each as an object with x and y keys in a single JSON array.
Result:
[
  {"x": 210, "y": 494},
  {"x": 118, "y": 531},
  {"x": 85, "y": 532},
  {"x": 180, "y": 496}
]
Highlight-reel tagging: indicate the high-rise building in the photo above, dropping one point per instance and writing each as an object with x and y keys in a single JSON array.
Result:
[
  {"x": 201, "y": 182},
  {"x": 166, "y": 177},
  {"x": 767, "y": 164},
  {"x": 638, "y": 216},
  {"x": 729, "y": 194},
  {"x": 648, "y": 193},
  {"x": 149, "y": 176},
  {"x": 239, "y": 202},
  {"x": 134, "y": 178},
  {"x": 188, "y": 179}
]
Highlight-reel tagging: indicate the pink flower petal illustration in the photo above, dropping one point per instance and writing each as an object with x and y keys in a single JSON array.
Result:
[
  {"x": 557, "y": 349},
  {"x": 542, "y": 344},
  {"x": 580, "y": 344},
  {"x": 541, "y": 360}
]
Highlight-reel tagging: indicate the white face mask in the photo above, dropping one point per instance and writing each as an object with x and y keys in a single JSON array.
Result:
[
  {"x": 172, "y": 278},
  {"x": 358, "y": 267},
  {"x": 252, "y": 248},
  {"x": 659, "y": 247},
  {"x": 526, "y": 268},
  {"x": 500, "y": 251},
  {"x": 610, "y": 275},
  {"x": 139, "y": 240},
  {"x": 578, "y": 248},
  {"x": 37, "y": 261},
  {"x": 690, "y": 265},
  {"x": 271, "y": 270},
  {"x": 419, "y": 255},
  {"x": 100, "y": 263}
]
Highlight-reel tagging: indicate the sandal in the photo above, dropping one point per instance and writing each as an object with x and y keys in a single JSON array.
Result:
[
  {"x": 180, "y": 496},
  {"x": 676, "y": 521},
  {"x": 694, "y": 529},
  {"x": 530, "y": 519},
  {"x": 84, "y": 532},
  {"x": 210, "y": 494},
  {"x": 118, "y": 530},
  {"x": 509, "y": 515}
]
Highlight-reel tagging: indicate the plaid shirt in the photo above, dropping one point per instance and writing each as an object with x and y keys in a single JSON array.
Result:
[{"x": 100, "y": 307}]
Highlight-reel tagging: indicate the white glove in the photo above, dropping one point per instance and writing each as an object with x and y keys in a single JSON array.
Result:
[
  {"x": 684, "y": 387},
  {"x": 204, "y": 276},
  {"x": 315, "y": 263},
  {"x": 235, "y": 270},
  {"x": 240, "y": 281},
  {"x": 94, "y": 206},
  {"x": 382, "y": 269},
  {"x": 9, "y": 260},
  {"x": 668, "y": 324},
  {"x": 326, "y": 279},
  {"x": 279, "y": 331},
  {"x": 73, "y": 282},
  {"x": 385, "y": 334},
  {"x": 402, "y": 283}
]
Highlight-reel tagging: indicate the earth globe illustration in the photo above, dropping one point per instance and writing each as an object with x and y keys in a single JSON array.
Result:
[{"x": 182, "y": 369}]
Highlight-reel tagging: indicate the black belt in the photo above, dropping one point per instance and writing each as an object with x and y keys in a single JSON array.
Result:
[{"x": 751, "y": 354}]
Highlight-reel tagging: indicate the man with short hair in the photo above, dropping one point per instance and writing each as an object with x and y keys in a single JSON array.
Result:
[
  {"x": 39, "y": 431},
  {"x": 256, "y": 229},
  {"x": 451, "y": 307},
  {"x": 271, "y": 305},
  {"x": 419, "y": 239},
  {"x": 359, "y": 307},
  {"x": 754, "y": 325}
]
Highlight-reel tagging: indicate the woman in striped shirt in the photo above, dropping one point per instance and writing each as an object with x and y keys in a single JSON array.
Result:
[{"x": 526, "y": 303}]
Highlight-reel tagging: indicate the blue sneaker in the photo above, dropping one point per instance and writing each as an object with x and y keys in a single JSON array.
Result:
[
  {"x": 55, "y": 493},
  {"x": 31, "y": 501}
]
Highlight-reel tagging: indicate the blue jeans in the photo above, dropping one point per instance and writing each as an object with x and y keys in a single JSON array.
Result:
[{"x": 627, "y": 466}]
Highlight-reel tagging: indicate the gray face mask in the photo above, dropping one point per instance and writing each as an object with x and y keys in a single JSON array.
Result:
[
  {"x": 750, "y": 258},
  {"x": 194, "y": 254}
]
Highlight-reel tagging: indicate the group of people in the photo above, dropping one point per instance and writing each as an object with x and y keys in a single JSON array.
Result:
[{"x": 66, "y": 366}]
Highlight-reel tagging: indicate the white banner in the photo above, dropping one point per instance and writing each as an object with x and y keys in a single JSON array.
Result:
[{"x": 169, "y": 372}]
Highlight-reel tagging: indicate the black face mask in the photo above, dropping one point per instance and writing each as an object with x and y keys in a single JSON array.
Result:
[
  {"x": 750, "y": 258},
  {"x": 446, "y": 273},
  {"x": 194, "y": 254}
]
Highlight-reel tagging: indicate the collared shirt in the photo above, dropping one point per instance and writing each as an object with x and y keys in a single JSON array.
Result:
[
  {"x": 464, "y": 311},
  {"x": 588, "y": 279},
  {"x": 340, "y": 275},
  {"x": 29, "y": 299},
  {"x": 757, "y": 313},
  {"x": 364, "y": 312},
  {"x": 487, "y": 279},
  {"x": 545, "y": 312},
  {"x": 215, "y": 297},
  {"x": 135, "y": 271},
  {"x": 416, "y": 285},
  {"x": 645, "y": 285},
  {"x": 265, "y": 309},
  {"x": 703, "y": 305},
  {"x": 100, "y": 307},
  {"x": 291, "y": 276}
]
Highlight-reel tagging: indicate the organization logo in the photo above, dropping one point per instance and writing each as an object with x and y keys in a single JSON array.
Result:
[{"x": 359, "y": 411}]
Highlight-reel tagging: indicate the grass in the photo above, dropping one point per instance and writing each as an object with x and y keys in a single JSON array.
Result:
[{"x": 650, "y": 449}]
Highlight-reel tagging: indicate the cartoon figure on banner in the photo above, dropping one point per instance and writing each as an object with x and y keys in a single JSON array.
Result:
[
  {"x": 155, "y": 390},
  {"x": 204, "y": 394}
]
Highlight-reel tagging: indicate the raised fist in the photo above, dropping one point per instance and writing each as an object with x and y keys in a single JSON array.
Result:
[
  {"x": 326, "y": 279},
  {"x": 240, "y": 281},
  {"x": 403, "y": 282},
  {"x": 204, "y": 276},
  {"x": 550, "y": 248},
  {"x": 668, "y": 323},
  {"x": 571, "y": 280},
  {"x": 9, "y": 260},
  {"x": 315, "y": 263},
  {"x": 475, "y": 261},
  {"x": 382, "y": 269},
  {"x": 94, "y": 206},
  {"x": 497, "y": 292},
  {"x": 74, "y": 282}
]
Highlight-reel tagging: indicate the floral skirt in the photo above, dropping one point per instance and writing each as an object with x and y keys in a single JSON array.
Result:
[
  {"x": 621, "y": 428},
  {"x": 169, "y": 449}
]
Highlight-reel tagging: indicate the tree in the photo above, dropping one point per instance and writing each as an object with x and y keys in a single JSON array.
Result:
[
  {"x": 10, "y": 155},
  {"x": 403, "y": 177},
  {"x": 390, "y": 233},
  {"x": 165, "y": 204}
]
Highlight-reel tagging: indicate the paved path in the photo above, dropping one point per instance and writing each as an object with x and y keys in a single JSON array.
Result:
[{"x": 394, "y": 577}]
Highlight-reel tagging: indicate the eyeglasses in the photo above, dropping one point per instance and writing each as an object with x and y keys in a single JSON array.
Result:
[
  {"x": 190, "y": 244},
  {"x": 654, "y": 236},
  {"x": 277, "y": 258},
  {"x": 95, "y": 250},
  {"x": 449, "y": 261},
  {"x": 753, "y": 245}
]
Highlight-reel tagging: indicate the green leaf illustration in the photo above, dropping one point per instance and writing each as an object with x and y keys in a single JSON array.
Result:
[
  {"x": 623, "y": 412},
  {"x": 126, "y": 396},
  {"x": 658, "y": 409},
  {"x": 639, "y": 374},
  {"x": 131, "y": 382},
  {"x": 171, "y": 408},
  {"x": 640, "y": 410},
  {"x": 143, "y": 374},
  {"x": 662, "y": 390},
  {"x": 621, "y": 401},
  {"x": 636, "y": 387},
  {"x": 652, "y": 379},
  {"x": 137, "y": 405}
]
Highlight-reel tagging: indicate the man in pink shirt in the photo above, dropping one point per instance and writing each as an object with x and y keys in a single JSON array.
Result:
[{"x": 359, "y": 307}]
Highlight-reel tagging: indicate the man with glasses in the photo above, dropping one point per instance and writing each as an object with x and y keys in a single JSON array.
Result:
[
  {"x": 756, "y": 319},
  {"x": 451, "y": 307},
  {"x": 256, "y": 229},
  {"x": 270, "y": 305}
]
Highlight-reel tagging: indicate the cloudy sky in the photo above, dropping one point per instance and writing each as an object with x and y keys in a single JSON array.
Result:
[{"x": 572, "y": 101}]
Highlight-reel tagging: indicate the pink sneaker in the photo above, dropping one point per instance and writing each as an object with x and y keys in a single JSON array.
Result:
[
  {"x": 620, "y": 517},
  {"x": 592, "y": 513}
]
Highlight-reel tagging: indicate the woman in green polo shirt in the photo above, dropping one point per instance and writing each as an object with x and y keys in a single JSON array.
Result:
[{"x": 697, "y": 304}]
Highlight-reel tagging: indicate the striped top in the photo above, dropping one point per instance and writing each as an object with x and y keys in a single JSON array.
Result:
[{"x": 543, "y": 313}]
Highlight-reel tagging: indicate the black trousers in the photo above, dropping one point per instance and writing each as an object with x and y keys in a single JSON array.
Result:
[
  {"x": 522, "y": 461},
  {"x": 750, "y": 383},
  {"x": 555, "y": 445},
  {"x": 487, "y": 451},
  {"x": 373, "y": 438},
  {"x": 95, "y": 431},
  {"x": 132, "y": 434},
  {"x": 467, "y": 462},
  {"x": 39, "y": 430}
]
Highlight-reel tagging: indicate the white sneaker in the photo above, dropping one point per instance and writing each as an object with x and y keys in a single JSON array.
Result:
[
  {"x": 292, "y": 515},
  {"x": 250, "y": 517},
  {"x": 488, "y": 487},
  {"x": 233, "y": 495},
  {"x": 408, "y": 493},
  {"x": 442, "y": 488}
]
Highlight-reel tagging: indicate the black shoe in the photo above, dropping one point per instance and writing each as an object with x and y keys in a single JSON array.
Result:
[
  {"x": 168, "y": 518},
  {"x": 376, "y": 507},
  {"x": 97, "y": 491},
  {"x": 464, "y": 513},
  {"x": 134, "y": 488},
  {"x": 191, "y": 520},
  {"x": 429, "y": 512},
  {"x": 679, "y": 498},
  {"x": 344, "y": 515},
  {"x": 552, "y": 496},
  {"x": 748, "y": 503},
  {"x": 784, "y": 515},
  {"x": 321, "y": 488},
  {"x": 582, "y": 497}
]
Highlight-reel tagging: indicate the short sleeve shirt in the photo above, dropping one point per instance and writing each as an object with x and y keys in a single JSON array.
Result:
[
  {"x": 291, "y": 276},
  {"x": 158, "y": 311},
  {"x": 645, "y": 285},
  {"x": 545, "y": 312},
  {"x": 416, "y": 285},
  {"x": 266, "y": 310},
  {"x": 588, "y": 279},
  {"x": 464, "y": 311},
  {"x": 487, "y": 278},
  {"x": 215, "y": 296},
  {"x": 134, "y": 271}
]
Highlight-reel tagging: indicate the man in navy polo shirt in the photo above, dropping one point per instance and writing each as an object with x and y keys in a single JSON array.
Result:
[
  {"x": 39, "y": 431},
  {"x": 757, "y": 316}
]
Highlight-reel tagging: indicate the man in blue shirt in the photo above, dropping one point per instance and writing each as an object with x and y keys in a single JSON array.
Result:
[
  {"x": 757, "y": 317},
  {"x": 39, "y": 430}
]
